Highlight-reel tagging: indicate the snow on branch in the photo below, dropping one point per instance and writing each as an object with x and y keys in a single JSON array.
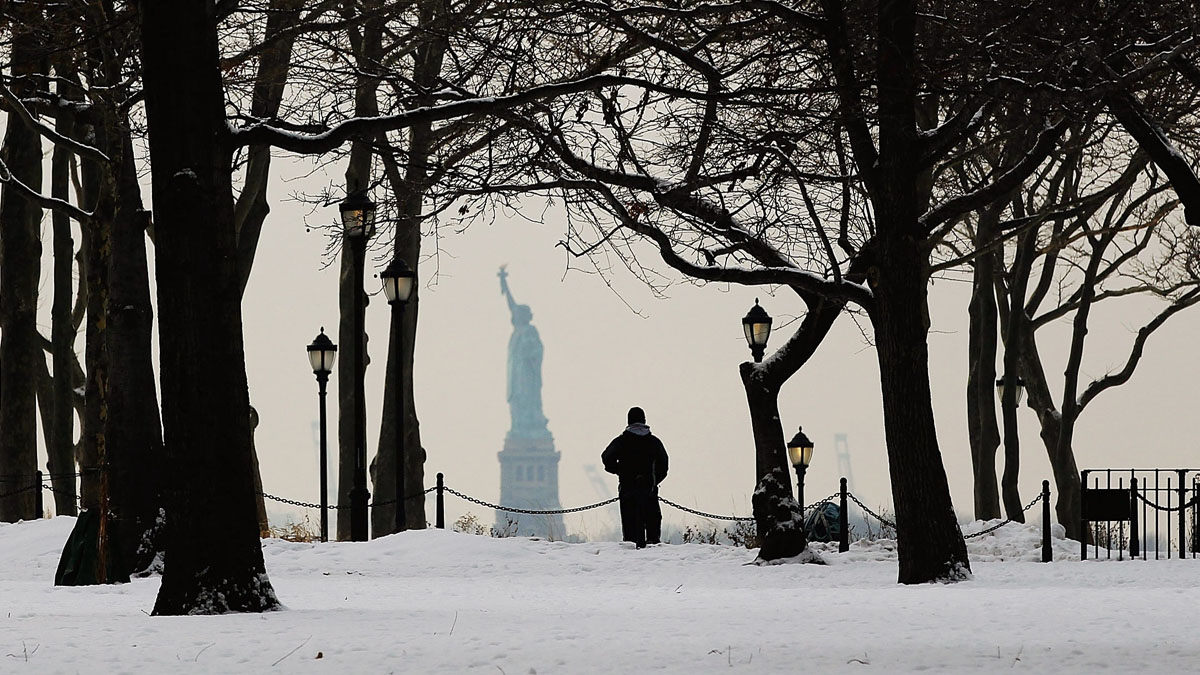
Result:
[
  {"x": 13, "y": 105},
  {"x": 1151, "y": 139},
  {"x": 52, "y": 203},
  {"x": 331, "y": 138}
]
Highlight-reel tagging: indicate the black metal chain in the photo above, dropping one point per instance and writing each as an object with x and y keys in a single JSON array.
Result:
[
  {"x": 1167, "y": 508},
  {"x": 874, "y": 515},
  {"x": 827, "y": 500},
  {"x": 61, "y": 492},
  {"x": 701, "y": 513},
  {"x": 534, "y": 512},
  {"x": 1006, "y": 521},
  {"x": 333, "y": 507}
]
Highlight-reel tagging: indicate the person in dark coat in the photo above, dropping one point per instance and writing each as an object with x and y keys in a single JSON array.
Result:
[{"x": 639, "y": 459}]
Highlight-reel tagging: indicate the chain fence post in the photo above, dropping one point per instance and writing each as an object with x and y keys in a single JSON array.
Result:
[
  {"x": 843, "y": 520},
  {"x": 1133, "y": 520},
  {"x": 1047, "y": 551},
  {"x": 440, "y": 519},
  {"x": 1182, "y": 514},
  {"x": 38, "y": 504},
  {"x": 1083, "y": 531}
]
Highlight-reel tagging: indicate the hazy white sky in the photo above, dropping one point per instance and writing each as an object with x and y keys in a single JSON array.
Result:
[{"x": 677, "y": 358}]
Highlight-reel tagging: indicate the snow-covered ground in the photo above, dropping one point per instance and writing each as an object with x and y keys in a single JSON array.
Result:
[{"x": 443, "y": 602}]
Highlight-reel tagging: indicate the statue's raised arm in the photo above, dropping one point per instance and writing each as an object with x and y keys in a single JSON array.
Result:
[{"x": 503, "y": 274}]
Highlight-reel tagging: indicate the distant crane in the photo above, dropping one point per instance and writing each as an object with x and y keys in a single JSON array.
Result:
[
  {"x": 597, "y": 482},
  {"x": 842, "y": 447}
]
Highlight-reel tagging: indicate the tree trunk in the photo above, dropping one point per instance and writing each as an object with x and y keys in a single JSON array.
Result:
[
  {"x": 133, "y": 428},
  {"x": 776, "y": 513},
  {"x": 252, "y": 207},
  {"x": 351, "y": 407},
  {"x": 778, "y": 518},
  {"x": 982, "y": 429},
  {"x": 1017, "y": 319},
  {"x": 95, "y": 355},
  {"x": 349, "y": 342},
  {"x": 409, "y": 190},
  {"x": 930, "y": 544},
  {"x": 214, "y": 560},
  {"x": 1062, "y": 460},
  {"x": 60, "y": 447},
  {"x": 20, "y": 262}
]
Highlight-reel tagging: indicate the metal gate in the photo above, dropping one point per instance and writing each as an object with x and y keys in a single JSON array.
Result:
[{"x": 1136, "y": 510}]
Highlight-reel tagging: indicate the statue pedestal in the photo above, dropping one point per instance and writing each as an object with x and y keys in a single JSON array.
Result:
[{"x": 529, "y": 480}]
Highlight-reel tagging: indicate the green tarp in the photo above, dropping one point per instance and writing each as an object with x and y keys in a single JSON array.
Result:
[{"x": 78, "y": 565}]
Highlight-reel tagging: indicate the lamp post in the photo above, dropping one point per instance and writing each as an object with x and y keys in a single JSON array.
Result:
[
  {"x": 800, "y": 451},
  {"x": 757, "y": 325},
  {"x": 1018, "y": 393},
  {"x": 398, "y": 281},
  {"x": 321, "y": 355},
  {"x": 358, "y": 225}
]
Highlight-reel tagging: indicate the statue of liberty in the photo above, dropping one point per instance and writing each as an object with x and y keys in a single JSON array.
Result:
[{"x": 524, "y": 370}]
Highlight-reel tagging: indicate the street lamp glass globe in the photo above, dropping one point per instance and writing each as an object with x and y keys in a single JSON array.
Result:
[
  {"x": 800, "y": 449},
  {"x": 322, "y": 353},
  {"x": 358, "y": 215},
  {"x": 398, "y": 280},
  {"x": 757, "y": 325}
]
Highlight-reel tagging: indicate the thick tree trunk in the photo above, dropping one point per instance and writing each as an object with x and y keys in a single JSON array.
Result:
[
  {"x": 214, "y": 559},
  {"x": 982, "y": 428},
  {"x": 20, "y": 262},
  {"x": 778, "y": 518},
  {"x": 762, "y": 396},
  {"x": 930, "y": 543},
  {"x": 133, "y": 429}
]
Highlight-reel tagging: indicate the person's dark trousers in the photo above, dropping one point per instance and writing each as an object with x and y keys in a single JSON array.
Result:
[
  {"x": 637, "y": 516},
  {"x": 632, "y": 527},
  {"x": 653, "y": 517}
]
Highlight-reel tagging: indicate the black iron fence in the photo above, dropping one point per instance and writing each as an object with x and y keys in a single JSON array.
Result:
[{"x": 1135, "y": 510}]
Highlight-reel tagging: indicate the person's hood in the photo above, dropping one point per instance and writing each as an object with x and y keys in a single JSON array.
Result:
[{"x": 638, "y": 429}]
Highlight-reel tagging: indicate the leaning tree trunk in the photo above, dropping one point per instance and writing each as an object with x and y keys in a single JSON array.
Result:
[
  {"x": 20, "y": 262},
  {"x": 777, "y": 517},
  {"x": 214, "y": 559},
  {"x": 930, "y": 544}
]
